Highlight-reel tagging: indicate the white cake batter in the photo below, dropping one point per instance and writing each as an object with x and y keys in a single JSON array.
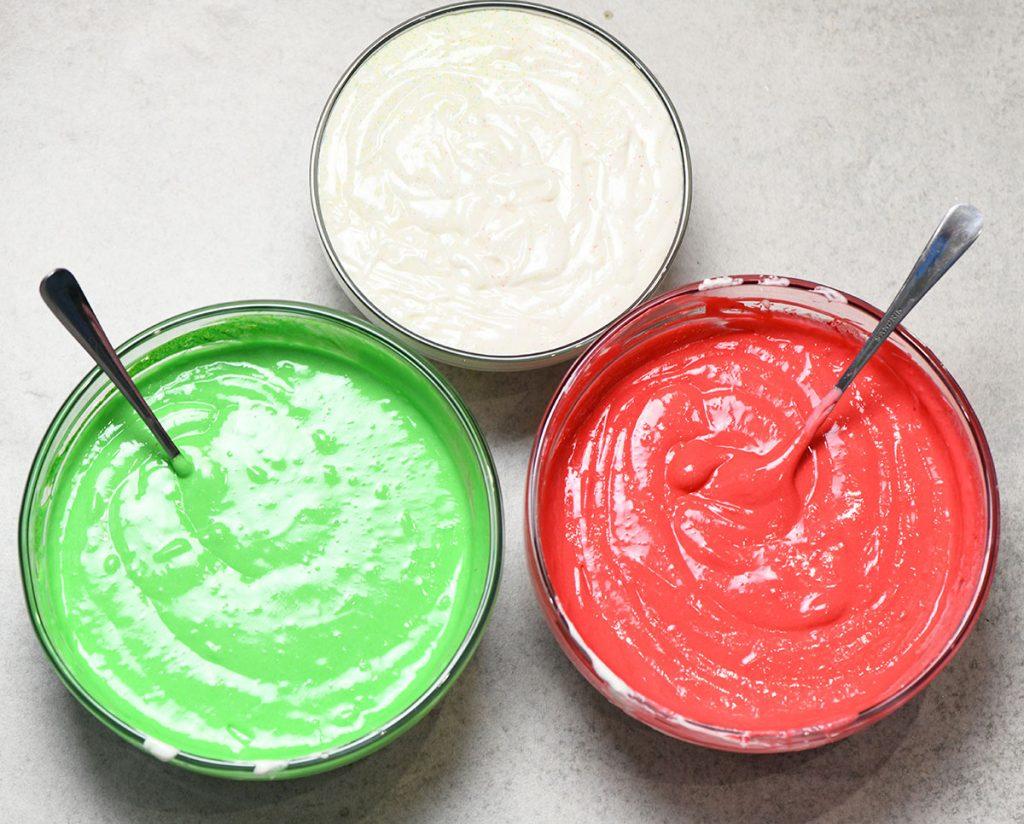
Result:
[{"x": 502, "y": 182}]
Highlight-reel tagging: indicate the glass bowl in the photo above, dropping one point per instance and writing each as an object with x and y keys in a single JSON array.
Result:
[
  {"x": 434, "y": 349},
  {"x": 673, "y": 309},
  {"x": 95, "y": 389}
]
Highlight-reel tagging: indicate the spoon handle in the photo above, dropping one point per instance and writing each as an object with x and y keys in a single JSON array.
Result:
[
  {"x": 67, "y": 301},
  {"x": 954, "y": 236}
]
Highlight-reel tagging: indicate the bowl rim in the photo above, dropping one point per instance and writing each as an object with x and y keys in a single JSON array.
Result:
[
  {"x": 401, "y": 722},
  {"x": 443, "y": 352},
  {"x": 724, "y": 738}
]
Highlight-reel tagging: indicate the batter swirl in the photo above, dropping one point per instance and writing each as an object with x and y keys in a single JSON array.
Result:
[
  {"x": 500, "y": 181},
  {"x": 751, "y": 599},
  {"x": 304, "y": 585}
]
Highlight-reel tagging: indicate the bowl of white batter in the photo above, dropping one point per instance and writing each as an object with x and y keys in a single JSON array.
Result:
[{"x": 497, "y": 183}]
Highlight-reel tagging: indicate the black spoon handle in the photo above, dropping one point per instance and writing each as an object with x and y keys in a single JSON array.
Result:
[
  {"x": 954, "y": 236},
  {"x": 67, "y": 301}
]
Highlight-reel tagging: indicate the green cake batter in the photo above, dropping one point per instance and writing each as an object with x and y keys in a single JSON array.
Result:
[{"x": 310, "y": 577}]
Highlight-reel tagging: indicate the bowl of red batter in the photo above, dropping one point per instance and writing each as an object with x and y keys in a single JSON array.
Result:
[{"x": 759, "y": 619}]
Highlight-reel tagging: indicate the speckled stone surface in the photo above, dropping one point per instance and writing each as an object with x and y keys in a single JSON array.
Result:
[{"x": 161, "y": 153}]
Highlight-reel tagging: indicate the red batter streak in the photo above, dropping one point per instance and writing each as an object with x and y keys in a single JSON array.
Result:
[{"x": 736, "y": 574}]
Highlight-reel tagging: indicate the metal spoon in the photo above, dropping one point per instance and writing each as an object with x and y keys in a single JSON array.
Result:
[
  {"x": 753, "y": 482},
  {"x": 67, "y": 301},
  {"x": 954, "y": 236}
]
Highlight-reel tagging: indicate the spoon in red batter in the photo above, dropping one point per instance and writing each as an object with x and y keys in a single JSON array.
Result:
[{"x": 753, "y": 479}]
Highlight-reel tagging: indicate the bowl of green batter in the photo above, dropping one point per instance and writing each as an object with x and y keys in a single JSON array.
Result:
[{"x": 311, "y": 589}]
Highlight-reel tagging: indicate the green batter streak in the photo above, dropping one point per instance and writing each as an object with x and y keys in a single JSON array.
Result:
[{"x": 306, "y": 582}]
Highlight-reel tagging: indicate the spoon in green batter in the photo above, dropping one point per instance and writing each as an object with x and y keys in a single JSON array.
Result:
[{"x": 61, "y": 292}]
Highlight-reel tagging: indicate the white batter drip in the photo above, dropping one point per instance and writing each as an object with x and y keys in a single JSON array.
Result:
[{"x": 503, "y": 182}]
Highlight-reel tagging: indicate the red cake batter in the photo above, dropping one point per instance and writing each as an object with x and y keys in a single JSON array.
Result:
[{"x": 729, "y": 571}]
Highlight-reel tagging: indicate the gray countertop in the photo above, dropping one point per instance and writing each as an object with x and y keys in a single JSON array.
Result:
[{"x": 161, "y": 153}]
